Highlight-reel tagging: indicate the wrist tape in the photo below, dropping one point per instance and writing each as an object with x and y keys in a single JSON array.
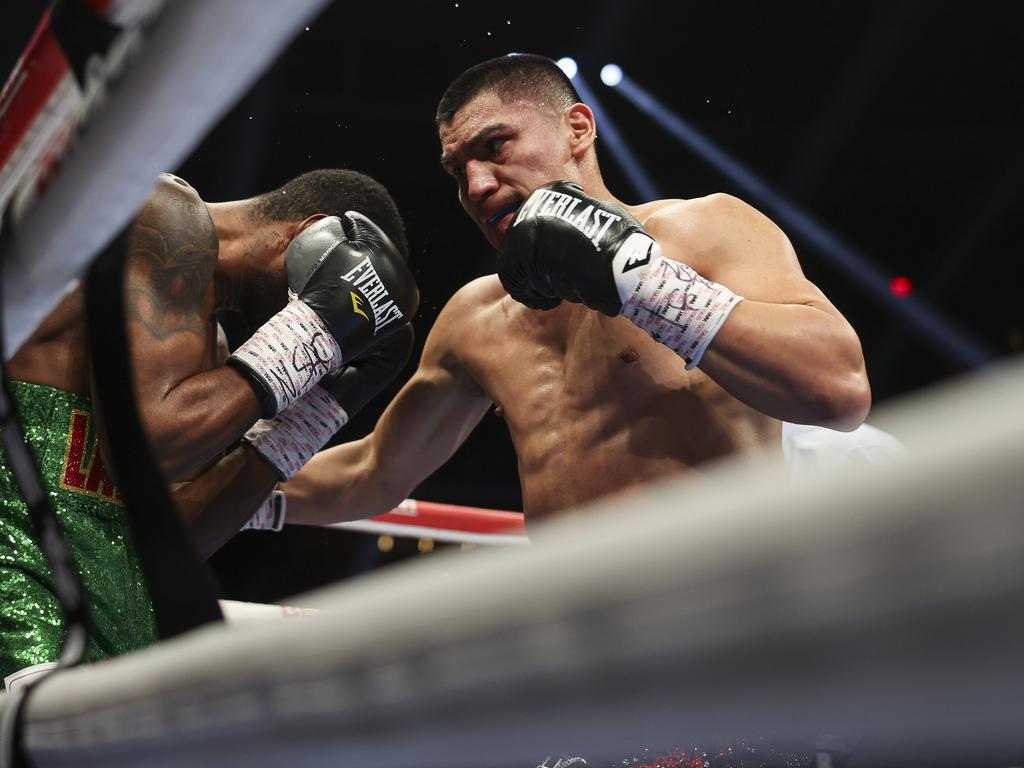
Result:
[
  {"x": 291, "y": 438},
  {"x": 669, "y": 300},
  {"x": 270, "y": 516},
  {"x": 290, "y": 353}
]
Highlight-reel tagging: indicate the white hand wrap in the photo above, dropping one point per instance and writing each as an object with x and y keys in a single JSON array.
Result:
[
  {"x": 291, "y": 438},
  {"x": 668, "y": 300},
  {"x": 270, "y": 516},
  {"x": 291, "y": 352}
]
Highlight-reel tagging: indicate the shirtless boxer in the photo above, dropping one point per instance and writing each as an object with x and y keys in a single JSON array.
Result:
[
  {"x": 185, "y": 260},
  {"x": 593, "y": 403}
]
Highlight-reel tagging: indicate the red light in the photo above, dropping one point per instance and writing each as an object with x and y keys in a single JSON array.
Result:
[{"x": 901, "y": 286}]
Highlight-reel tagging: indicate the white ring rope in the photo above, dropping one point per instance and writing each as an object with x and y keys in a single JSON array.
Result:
[
  {"x": 881, "y": 603},
  {"x": 807, "y": 450},
  {"x": 200, "y": 57}
]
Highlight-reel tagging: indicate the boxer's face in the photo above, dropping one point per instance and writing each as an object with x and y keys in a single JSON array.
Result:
[
  {"x": 267, "y": 282},
  {"x": 499, "y": 152},
  {"x": 264, "y": 291}
]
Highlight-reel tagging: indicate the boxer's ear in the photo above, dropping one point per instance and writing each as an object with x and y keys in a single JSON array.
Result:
[
  {"x": 583, "y": 126},
  {"x": 305, "y": 223}
]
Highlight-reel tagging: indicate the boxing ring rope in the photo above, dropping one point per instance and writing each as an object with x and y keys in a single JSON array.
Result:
[
  {"x": 412, "y": 519},
  {"x": 445, "y": 522},
  {"x": 197, "y": 60},
  {"x": 807, "y": 451},
  {"x": 879, "y": 602}
]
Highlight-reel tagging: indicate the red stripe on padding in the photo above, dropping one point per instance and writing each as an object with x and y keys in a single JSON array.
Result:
[
  {"x": 453, "y": 517},
  {"x": 35, "y": 76}
]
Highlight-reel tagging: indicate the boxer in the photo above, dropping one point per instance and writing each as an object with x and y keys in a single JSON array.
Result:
[
  {"x": 351, "y": 295},
  {"x": 621, "y": 343}
]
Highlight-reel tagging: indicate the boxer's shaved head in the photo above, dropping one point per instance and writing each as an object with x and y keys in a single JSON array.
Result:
[
  {"x": 333, "y": 191},
  {"x": 511, "y": 77}
]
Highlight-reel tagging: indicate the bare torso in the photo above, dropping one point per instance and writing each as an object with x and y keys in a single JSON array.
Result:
[{"x": 594, "y": 405}]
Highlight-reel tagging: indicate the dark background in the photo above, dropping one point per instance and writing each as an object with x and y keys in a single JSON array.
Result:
[{"x": 897, "y": 125}]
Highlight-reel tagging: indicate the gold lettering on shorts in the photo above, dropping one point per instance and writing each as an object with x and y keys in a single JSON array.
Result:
[{"x": 83, "y": 471}]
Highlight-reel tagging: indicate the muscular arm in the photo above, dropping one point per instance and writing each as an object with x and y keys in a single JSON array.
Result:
[
  {"x": 785, "y": 350},
  {"x": 422, "y": 427},
  {"x": 189, "y": 410}
]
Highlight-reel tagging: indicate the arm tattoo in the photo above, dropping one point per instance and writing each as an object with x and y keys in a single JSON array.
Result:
[{"x": 172, "y": 254}]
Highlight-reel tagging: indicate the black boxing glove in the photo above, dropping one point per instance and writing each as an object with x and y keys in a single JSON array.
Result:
[
  {"x": 561, "y": 245},
  {"x": 564, "y": 244},
  {"x": 349, "y": 289},
  {"x": 355, "y": 384},
  {"x": 291, "y": 438}
]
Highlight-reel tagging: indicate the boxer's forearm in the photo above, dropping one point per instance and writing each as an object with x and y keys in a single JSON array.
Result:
[
  {"x": 194, "y": 420},
  {"x": 796, "y": 363},
  {"x": 341, "y": 484},
  {"x": 219, "y": 502},
  {"x": 419, "y": 430}
]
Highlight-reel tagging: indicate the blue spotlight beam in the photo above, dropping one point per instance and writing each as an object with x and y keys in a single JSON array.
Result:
[
  {"x": 948, "y": 340},
  {"x": 608, "y": 133}
]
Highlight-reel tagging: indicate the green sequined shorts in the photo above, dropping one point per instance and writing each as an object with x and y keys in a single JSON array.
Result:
[{"x": 59, "y": 429}]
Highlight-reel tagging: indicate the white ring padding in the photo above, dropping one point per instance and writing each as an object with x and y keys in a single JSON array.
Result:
[
  {"x": 445, "y": 522},
  {"x": 199, "y": 60},
  {"x": 879, "y": 602},
  {"x": 811, "y": 450},
  {"x": 405, "y": 530},
  {"x": 239, "y": 612}
]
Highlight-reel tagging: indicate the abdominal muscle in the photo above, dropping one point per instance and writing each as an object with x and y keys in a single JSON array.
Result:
[{"x": 595, "y": 407}]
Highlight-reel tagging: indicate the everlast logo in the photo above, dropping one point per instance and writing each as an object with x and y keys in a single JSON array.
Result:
[
  {"x": 364, "y": 277},
  {"x": 639, "y": 258},
  {"x": 83, "y": 470},
  {"x": 357, "y": 305},
  {"x": 591, "y": 221}
]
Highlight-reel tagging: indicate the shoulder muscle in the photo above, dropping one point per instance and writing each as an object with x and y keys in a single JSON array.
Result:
[
  {"x": 728, "y": 241},
  {"x": 718, "y": 230},
  {"x": 172, "y": 256}
]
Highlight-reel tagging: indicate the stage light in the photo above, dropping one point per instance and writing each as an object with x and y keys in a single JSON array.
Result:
[
  {"x": 637, "y": 176},
  {"x": 946, "y": 337},
  {"x": 611, "y": 74},
  {"x": 900, "y": 286},
  {"x": 568, "y": 66}
]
